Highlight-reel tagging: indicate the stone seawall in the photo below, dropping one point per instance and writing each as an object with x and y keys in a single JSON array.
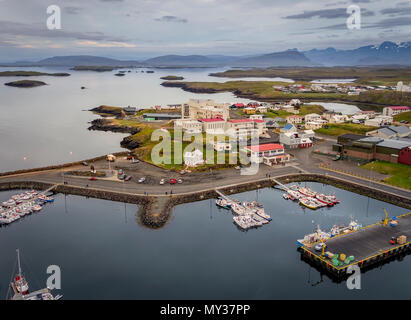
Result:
[
  {"x": 60, "y": 166},
  {"x": 155, "y": 212}
]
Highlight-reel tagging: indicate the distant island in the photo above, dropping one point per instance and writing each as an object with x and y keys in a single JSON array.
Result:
[
  {"x": 26, "y": 84},
  {"x": 31, "y": 74},
  {"x": 94, "y": 68},
  {"x": 172, "y": 78}
]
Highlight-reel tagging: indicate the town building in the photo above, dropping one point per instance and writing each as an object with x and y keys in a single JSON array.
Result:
[
  {"x": 390, "y": 132},
  {"x": 130, "y": 110},
  {"x": 202, "y": 109},
  {"x": 160, "y": 116},
  {"x": 188, "y": 125},
  {"x": 394, "y": 110},
  {"x": 313, "y": 125},
  {"x": 193, "y": 159},
  {"x": 288, "y": 128},
  {"x": 246, "y": 127},
  {"x": 270, "y": 154},
  {"x": 295, "y": 139},
  {"x": 294, "y": 119},
  {"x": 378, "y": 121},
  {"x": 221, "y": 146},
  {"x": 338, "y": 118},
  {"x": 213, "y": 125},
  {"x": 313, "y": 117},
  {"x": 402, "y": 87},
  {"x": 364, "y": 148}
]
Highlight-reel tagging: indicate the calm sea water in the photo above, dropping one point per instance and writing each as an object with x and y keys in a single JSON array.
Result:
[
  {"x": 200, "y": 254},
  {"x": 48, "y": 125}
]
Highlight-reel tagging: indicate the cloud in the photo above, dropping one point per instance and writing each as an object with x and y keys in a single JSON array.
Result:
[
  {"x": 392, "y": 22},
  {"x": 399, "y": 11},
  {"x": 72, "y": 10},
  {"x": 327, "y": 14},
  {"x": 38, "y": 30},
  {"x": 172, "y": 19}
]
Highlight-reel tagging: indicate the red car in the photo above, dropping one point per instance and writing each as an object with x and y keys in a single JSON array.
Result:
[
  {"x": 173, "y": 181},
  {"x": 92, "y": 178}
]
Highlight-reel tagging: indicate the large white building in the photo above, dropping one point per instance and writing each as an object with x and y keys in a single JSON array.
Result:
[
  {"x": 189, "y": 125},
  {"x": 394, "y": 110},
  {"x": 403, "y": 88},
  {"x": 202, "y": 109}
]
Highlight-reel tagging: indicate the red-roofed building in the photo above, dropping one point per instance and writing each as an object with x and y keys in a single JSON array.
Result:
[
  {"x": 270, "y": 154},
  {"x": 238, "y": 105},
  {"x": 213, "y": 125},
  {"x": 394, "y": 110}
]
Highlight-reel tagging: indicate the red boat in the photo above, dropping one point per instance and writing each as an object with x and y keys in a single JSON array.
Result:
[{"x": 325, "y": 199}]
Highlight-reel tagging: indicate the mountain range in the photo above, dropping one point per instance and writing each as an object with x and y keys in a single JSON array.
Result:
[{"x": 387, "y": 53}]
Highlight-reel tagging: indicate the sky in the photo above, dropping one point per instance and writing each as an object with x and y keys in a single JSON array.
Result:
[{"x": 138, "y": 29}]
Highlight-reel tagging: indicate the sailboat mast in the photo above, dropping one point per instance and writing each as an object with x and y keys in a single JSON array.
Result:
[{"x": 18, "y": 260}]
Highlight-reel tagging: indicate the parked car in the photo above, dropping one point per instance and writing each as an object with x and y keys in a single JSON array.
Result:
[
  {"x": 135, "y": 160},
  {"x": 128, "y": 178},
  {"x": 180, "y": 181},
  {"x": 129, "y": 157},
  {"x": 120, "y": 172},
  {"x": 162, "y": 181},
  {"x": 92, "y": 178},
  {"x": 122, "y": 176},
  {"x": 141, "y": 180},
  {"x": 173, "y": 181},
  {"x": 85, "y": 164}
]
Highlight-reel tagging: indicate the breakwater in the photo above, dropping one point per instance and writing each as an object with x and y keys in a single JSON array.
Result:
[{"x": 156, "y": 211}]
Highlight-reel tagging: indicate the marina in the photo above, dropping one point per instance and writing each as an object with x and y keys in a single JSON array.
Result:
[
  {"x": 201, "y": 239},
  {"x": 23, "y": 204},
  {"x": 307, "y": 197},
  {"x": 247, "y": 214}
]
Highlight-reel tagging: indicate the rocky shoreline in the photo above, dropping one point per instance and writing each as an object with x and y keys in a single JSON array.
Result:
[{"x": 25, "y": 84}]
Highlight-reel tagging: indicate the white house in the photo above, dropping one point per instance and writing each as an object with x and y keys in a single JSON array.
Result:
[
  {"x": 194, "y": 158},
  {"x": 312, "y": 117},
  {"x": 270, "y": 154},
  {"x": 188, "y": 125},
  {"x": 392, "y": 111},
  {"x": 313, "y": 125},
  {"x": 379, "y": 121}
]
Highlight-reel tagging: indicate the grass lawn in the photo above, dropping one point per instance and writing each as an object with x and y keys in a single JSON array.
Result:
[
  {"x": 403, "y": 116},
  {"x": 337, "y": 129},
  {"x": 400, "y": 173}
]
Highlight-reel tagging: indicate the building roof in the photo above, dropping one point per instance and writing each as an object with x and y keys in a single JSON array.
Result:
[
  {"x": 265, "y": 147},
  {"x": 399, "y": 108},
  {"x": 288, "y": 126},
  {"x": 400, "y": 129},
  {"x": 386, "y": 131},
  {"x": 258, "y": 121},
  {"x": 294, "y": 116},
  {"x": 394, "y": 144},
  {"x": 371, "y": 140},
  {"x": 211, "y": 120},
  {"x": 240, "y": 120},
  {"x": 161, "y": 115},
  {"x": 351, "y": 136}
]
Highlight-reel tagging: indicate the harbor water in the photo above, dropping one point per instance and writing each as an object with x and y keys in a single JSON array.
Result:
[{"x": 104, "y": 253}]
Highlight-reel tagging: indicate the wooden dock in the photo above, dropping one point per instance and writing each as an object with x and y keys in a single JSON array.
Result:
[{"x": 370, "y": 246}]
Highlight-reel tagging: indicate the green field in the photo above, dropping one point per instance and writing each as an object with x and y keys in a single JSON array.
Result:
[
  {"x": 406, "y": 116},
  {"x": 400, "y": 173},
  {"x": 338, "y": 129},
  {"x": 264, "y": 91},
  {"x": 364, "y": 75}
]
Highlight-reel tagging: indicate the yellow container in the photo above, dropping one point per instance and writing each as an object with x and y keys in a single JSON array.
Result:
[{"x": 343, "y": 257}]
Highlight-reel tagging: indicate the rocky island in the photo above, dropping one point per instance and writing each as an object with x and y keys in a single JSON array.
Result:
[
  {"x": 31, "y": 74},
  {"x": 172, "y": 78},
  {"x": 26, "y": 84}
]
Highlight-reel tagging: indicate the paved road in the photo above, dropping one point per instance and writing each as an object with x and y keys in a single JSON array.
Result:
[{"x": 192, "y": 182}]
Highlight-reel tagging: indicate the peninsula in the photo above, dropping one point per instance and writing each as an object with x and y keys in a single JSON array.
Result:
[{"x": 19, "y": 73}]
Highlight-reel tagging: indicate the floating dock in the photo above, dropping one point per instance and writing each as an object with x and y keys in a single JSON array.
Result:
[{"x": 369, "y": 245}]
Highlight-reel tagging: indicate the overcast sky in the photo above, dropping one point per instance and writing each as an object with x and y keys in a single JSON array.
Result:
[{"x": 134, "y": 29}]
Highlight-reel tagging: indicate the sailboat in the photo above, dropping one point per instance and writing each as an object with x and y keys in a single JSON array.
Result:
[
  {"x": 20, "y": 284},
  {"x": 20, "y": 287}
]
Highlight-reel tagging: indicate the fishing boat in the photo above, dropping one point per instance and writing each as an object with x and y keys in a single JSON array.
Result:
[
  {"x": 309, "y": 203},
  {"x": 327, "y": 200},
  {"x": 294, "y": 195},
  {"x": 312, "y": 238},
  {"x": 223, "y": 203},
  {"x": 286, "y": 196},
  {"x": 307, "y": 192}
]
